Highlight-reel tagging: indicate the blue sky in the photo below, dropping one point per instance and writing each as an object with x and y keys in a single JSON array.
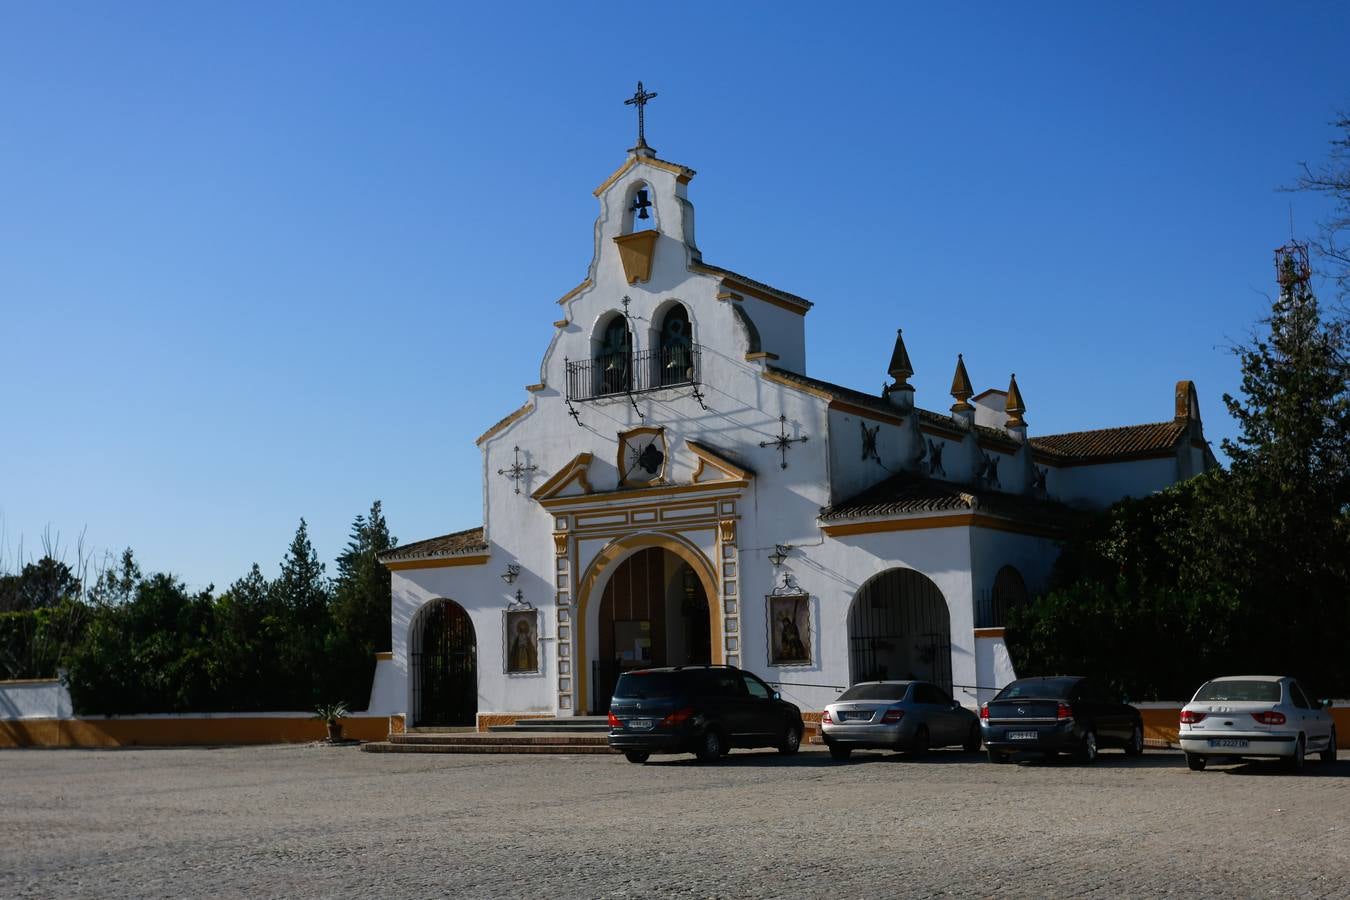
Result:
[{"x": 262, "y": 261}]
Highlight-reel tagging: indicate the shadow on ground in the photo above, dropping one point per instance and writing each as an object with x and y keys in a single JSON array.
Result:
[{"x": 1150, "y": 760}]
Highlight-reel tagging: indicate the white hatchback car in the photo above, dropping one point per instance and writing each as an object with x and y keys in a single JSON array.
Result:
[{"x": 1255, "y": 715}]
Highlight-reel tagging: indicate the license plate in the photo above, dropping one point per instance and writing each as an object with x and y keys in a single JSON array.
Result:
[
  {"x": 641, "y": 724},
  {"x": 857, "y": 717},
  {"x": 1022, "y": 735},
  {"x": 1227, "y": 742}
]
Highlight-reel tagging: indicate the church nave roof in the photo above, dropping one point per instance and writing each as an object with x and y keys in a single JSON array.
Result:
[
  {"x": 906, "y": 493},
  {"x": 454, "y": 544}
]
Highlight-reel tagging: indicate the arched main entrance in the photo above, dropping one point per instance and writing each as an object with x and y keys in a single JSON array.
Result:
[
  {"x": 899, "y": 628},
  {"x": 443, "y": 658},
  {"x": 653, "y": 610}
]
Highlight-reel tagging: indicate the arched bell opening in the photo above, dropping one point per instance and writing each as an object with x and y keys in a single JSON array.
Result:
[
  {"x": 612, "y": 356},
  {"x": 899, "y": 628},
  {"x": 676, "y": 358},
  {"x": 443, "y": 663},
  {"x": 639, "y": 209}
]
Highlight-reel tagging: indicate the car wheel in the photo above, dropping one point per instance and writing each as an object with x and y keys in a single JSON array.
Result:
[
  {"x": 1295, "y": 762},
  {"x": 791, "y": 742},
  {"x": 840, "y": 753},
  {"x": 636, "y": 756},
  {"x": 921, "y": 741},
  {"x": 1136, "y": 745},
  {"x": 995, "y": 756},
  {"x": 710, "y": 748},
  {"x": 972, "y": 744},
  {"x": 1195, "y": 762},
  {"x": 1088, "y": 752},
  {"x": 1329, "y": 754}
]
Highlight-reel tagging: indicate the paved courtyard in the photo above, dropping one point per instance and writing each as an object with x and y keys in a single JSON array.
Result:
[{"x": 315, "y": 821}]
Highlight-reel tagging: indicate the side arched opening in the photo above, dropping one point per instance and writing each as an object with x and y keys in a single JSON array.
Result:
[
  {"x": 1009, "y": 592},
  {"x": 899, "y": 628},
  {"x": 443, "y": 659}
]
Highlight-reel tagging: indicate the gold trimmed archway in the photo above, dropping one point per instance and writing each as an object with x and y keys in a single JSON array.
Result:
[{"x": 614, "y": 553}]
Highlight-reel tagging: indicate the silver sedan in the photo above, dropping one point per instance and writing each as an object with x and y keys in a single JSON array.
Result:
[{"x": 897, "y": 715}]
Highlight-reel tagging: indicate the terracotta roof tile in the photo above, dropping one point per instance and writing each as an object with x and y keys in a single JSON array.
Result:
[
  {"x": 457, "y": 543},
  {"x": 906, "y": 494},
  {"x": 1126, "y": 441}
]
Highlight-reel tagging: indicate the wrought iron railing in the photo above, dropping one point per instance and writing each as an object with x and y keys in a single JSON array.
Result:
[{"x": 618, "y": 374}]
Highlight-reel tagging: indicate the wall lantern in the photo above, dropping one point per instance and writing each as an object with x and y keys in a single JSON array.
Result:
[
  {"x": 780, "y": 553},
  {"x": 512, "y": 573}
]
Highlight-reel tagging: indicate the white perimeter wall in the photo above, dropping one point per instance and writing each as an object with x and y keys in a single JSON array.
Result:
[{"x": 34, "y": 700}]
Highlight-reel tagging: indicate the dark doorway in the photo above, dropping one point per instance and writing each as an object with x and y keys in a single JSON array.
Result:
[
  {"x": 653, "y": 612},
  {"x": 898, "y": 629},
  {"x": 444, "y": 662}
]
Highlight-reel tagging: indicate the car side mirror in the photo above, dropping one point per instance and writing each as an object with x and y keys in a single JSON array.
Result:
[
  {"x": 1324, "y": 704},
  {"x": 777, "y": 696}
]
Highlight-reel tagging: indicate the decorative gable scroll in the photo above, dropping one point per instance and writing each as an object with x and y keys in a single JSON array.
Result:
[
  {"x": 570, "y": 481},
  {"x": 714, "y": 466}
]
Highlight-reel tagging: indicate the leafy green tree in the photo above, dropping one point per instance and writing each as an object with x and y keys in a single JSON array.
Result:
[
  {"x": 302, "y": 594},
  {"x": 361, "y": 607},
  {"x": 117, "y": 584},
  {"x": 39, "y": 585},
  {"x": 246, "y": 646},
  {"x": 150, "y": 654},
  {"x": 1233, "y": 571},
  {"x": 1332, "y": 180}
]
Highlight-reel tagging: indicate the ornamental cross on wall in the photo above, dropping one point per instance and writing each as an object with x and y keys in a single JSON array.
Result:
[
  {"x": 516, "y": 471},
  {"x": 783, "y": 442}
]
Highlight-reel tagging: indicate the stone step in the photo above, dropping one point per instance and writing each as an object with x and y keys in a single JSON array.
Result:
[
  {"x": 443, "y": 729},
  {"x": 550, "y": 738},
  {"x": 485, "y": 747},
  {"x": 522, "y": 727}
]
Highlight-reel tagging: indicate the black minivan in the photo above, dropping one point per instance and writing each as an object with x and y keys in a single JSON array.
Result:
[{"x": 704, "y": 710}]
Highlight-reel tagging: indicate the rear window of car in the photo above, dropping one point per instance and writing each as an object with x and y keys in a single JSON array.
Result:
[
  {"x": 647, "y": 685},
  {"x": 875, "y": 692},
  {"x": 1038, "y": 689},
  {"x": 1262, "y": 691}
]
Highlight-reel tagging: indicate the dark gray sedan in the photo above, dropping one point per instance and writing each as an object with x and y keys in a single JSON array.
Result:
[{"x": 897, "y": 715}]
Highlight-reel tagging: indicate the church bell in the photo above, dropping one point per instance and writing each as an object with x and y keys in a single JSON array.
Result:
[{"x": 641, "y": 204}]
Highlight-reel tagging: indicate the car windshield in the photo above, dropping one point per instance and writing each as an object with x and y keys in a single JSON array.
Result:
[
  {"x": 882, "y": 691},
  {"x": 646, "y": 685},
  {"x": 1038, "y": 689},
  {"x": 1261, "y": 691}
]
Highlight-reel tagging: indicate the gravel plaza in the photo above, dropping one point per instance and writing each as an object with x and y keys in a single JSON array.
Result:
[{"x": 321, "y": 821}]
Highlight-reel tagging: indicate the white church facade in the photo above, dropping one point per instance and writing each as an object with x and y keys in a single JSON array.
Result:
[{"x": 676, "y": 489}]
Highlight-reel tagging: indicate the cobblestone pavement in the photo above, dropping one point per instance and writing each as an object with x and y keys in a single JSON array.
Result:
[{"x": 316, "y": 821}]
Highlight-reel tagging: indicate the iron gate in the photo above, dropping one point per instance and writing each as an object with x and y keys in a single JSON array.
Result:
[
  {"x": 445, "y": 660},
  {"x": 899, "y": 628}
]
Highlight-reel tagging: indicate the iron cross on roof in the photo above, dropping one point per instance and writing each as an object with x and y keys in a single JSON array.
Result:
[{"x": 639, "y": 100}]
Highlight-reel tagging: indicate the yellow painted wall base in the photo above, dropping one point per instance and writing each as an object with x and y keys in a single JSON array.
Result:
[{"x": 183, "y": 731}]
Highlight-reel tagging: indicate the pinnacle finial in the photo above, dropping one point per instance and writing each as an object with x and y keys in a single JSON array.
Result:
[
  {"x": 961, "y": 387},
  {"x": 901, "y": 368},
  {"x": 1014, "y": 406}
]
